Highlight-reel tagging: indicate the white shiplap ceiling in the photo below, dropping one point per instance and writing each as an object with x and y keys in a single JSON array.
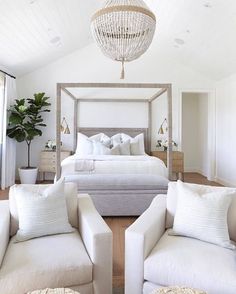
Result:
[{"x": 36, "y": 32}]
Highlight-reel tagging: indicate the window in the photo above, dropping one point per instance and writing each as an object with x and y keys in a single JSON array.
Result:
[{"x": 2, "y": 79}]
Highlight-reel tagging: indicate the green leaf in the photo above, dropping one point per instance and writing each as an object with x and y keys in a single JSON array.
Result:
[
  {"x": 20, "y": 102},
  {"x": 25, "y": 119},
  {"x": 11, "y": 132},
  {"x": 17, "y": 134},
  {"x": 22, "y": 108},
  {"x": 15, "y": 119}
]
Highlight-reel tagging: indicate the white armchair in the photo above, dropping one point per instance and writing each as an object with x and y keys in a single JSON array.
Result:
[
  {"x": 81, "y": 260},
  {"x": 154, "y": 259}
]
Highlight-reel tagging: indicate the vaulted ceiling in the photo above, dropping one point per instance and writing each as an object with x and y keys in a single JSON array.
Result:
[{"x": 197, "y": 33}]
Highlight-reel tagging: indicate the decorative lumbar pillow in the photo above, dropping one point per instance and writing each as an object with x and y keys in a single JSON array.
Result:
[
  {"x": 203, "y": 217},
  {"x": 42, "y": 214},
  {"x": 136, "y": 144}
]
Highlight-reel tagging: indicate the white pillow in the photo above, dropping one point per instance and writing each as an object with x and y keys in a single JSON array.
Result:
[
  {"x": 136, "y": 144},
  {"x": 105, "y": 140},
  {"x": 124, "y": 148},
  {"x": 115, "y": 150},
  {"x": 100, "y": 149},
  {"x": 84, "y": 145},
  {"x": 116, "y": 140},
  {"x": 71, "y": 202},
  {"x": 42, "y": 214},
  {"x": 203, "y": 217}
]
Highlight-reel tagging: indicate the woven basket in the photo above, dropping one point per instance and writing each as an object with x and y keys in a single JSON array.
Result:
[
  {"x": 177, "y": 290},
  {"x": 54, "y": 291}
]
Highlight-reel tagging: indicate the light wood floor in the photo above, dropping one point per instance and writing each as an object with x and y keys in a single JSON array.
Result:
[{"x": 118, "y": 226}]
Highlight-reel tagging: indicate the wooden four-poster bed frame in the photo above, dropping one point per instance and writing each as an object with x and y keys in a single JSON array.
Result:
[{"x": 161, "y": 89}]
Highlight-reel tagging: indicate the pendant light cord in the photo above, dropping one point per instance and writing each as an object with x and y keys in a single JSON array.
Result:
[{"x": 122, "y": 76}]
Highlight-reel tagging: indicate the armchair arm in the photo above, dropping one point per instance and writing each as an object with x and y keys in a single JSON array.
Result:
[
  {"x": 4, "y": 227},
  {"x": 140, "y": 239},
  {"x": 97, "y": 238}
]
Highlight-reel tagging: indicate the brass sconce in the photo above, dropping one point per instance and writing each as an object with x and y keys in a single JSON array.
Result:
[
  {"x": 64, "y": 127},
  {"x": 163, "y": 130}
]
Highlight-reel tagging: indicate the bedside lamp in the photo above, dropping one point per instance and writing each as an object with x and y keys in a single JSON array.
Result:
[{"x": 64, "y": 127}]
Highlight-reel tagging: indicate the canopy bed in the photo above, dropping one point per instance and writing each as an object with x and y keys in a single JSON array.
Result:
[{"x": 118, "y": 184}]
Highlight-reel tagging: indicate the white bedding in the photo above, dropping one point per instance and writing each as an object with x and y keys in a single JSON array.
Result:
[{"x": 116, "y": 164}]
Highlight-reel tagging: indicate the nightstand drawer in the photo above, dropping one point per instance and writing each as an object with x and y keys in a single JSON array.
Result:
[
  {"x": 47, "y": 168},
  {"x": 48, "y": 155},
  {"x": 178, "y": 163},
  {"x": 65, "y": 154},
  {"x": 44, "y": 161},
  {"x": 48, "y": 160},
  {"x": 163, "y": 155}
]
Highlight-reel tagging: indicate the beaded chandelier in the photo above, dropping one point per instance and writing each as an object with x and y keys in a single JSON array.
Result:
[{"x": 123, "y": 29}]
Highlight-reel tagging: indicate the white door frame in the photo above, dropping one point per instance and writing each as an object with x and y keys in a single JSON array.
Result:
[{"x": 211, "y": 173}]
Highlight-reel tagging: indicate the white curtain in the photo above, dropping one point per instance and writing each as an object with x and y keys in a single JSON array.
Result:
[{"x": 7, "y": 145}]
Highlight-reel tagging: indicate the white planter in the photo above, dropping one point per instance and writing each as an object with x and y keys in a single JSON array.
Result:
[{"x": 28, "y": 176}]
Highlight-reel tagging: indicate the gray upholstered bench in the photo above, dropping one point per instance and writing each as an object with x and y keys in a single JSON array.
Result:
[{"x": 124, "y": 194}]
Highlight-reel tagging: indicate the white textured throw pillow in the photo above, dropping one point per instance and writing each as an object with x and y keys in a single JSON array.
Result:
[
  {"x": 124, "y": 148},
  {"x": 100, "y": 149},
  {"x": 42, "y": 214},
  {"x": 85, "y": 144},
  {"x": 203, "y": 217},
  {"x": 115, "y": 150},
  {"x": 116, "y": 140},
  {"x": 136, "y": 144}
]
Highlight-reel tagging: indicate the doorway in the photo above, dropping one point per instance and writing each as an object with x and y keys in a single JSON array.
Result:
[{"x": 197, "y": 133}]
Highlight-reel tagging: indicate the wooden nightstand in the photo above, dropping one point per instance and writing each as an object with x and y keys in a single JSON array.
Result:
[
  {"x": 48, "y": 162},
  {"x": 178, "y": 161}
]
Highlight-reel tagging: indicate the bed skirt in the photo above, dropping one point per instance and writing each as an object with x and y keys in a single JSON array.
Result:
[{"x": 120, "y": 195}]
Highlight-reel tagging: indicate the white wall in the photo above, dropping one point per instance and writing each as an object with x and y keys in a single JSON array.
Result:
[
  {"x": 89, "y": 65},
  {"x": 123, "y": 115},
  {"x": 204, "y": 158},
  {"x": 195, "y": 132},
  {"x": 226, "y": 131}
]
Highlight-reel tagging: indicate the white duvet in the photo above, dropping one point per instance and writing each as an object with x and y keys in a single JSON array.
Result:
[{"x": 116, "y": 164}]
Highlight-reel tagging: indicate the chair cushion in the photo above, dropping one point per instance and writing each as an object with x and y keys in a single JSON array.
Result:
[
  {"x": 192, "y": 263},
  {"x": 42, "y": 214},
  {"x": 172, "y": 196},
  {"x": 48, "y": 262},
  {"x": 71, "y": 203},
  {"x": 203, "y": 217}
]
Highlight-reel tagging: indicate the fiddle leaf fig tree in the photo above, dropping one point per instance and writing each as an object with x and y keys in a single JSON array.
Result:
[{"x": 25, "y": 119}]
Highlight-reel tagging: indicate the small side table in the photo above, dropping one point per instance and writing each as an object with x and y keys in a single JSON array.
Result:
[
  {"x": 177, "y": 163},
  {"x": 48, "y": 162}
]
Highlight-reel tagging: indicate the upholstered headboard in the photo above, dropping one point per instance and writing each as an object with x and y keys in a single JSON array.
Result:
[{"x": 132, "y": 132}]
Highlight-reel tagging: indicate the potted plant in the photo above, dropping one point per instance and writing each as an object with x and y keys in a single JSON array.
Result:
[
  {"x": 24, "y": 124},
  {"x": 164, "y": 144}
]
